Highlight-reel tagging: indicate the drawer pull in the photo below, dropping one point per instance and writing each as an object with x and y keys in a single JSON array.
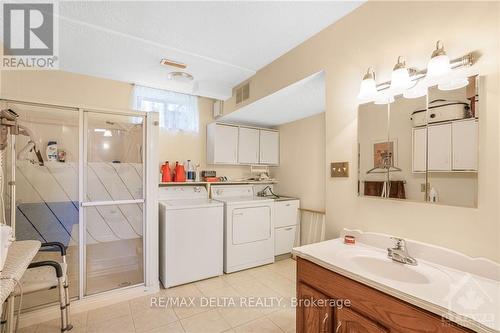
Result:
[
  {"x": 288, "y": 229},
  {"x": 324, "y": 325},
  {"x": 337, "y": 330}
]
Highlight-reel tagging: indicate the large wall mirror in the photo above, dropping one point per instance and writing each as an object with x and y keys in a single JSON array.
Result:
[{"x": 421, "y": 149}]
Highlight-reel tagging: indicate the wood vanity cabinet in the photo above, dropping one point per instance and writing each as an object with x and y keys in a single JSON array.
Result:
[{"x": 370, "y": 311}]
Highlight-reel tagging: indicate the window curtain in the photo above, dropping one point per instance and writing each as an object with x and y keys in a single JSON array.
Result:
[{"x": 177, "y": 112}]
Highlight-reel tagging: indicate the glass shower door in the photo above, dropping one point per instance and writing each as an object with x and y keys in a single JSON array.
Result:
[
  {"x": 113, "y": 198},
  {"x": 46, "y": 186}
]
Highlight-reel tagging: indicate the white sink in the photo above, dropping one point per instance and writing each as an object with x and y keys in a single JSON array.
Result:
[
  {"x": 388, "y": 269},
  {"x": 376, "y": 264}
]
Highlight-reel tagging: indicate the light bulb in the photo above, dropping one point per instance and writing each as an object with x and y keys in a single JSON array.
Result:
[
  {"x": 368, "y": 87},
  {"x": 384, "y": 98},
  {"x": 452, "y": 84},
  {"x": 419, "y": 90},
  {"x": 439, "y": 63},
  {"x": 400, "y": 77}
]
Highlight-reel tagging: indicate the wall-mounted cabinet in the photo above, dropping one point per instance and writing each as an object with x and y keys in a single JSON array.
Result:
[
  {"x": 269, "y": 147},
  {"x": 241, "y": 145},
  {"x": 248, "y": 146},
  {"x": 452, "y": 147},
  {"x": 222, "y": 144}
]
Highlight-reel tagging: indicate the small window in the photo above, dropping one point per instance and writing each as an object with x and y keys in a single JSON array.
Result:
[{"x": 178, "y": 112}]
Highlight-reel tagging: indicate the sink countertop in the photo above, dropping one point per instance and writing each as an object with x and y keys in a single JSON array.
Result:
[{"x": 470, "y": 299}]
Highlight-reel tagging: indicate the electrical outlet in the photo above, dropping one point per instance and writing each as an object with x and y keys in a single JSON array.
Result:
[{"x": 339, "y": 169}]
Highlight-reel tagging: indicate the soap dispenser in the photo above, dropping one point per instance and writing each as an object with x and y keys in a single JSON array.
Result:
[{"x": 433, "y": 195}]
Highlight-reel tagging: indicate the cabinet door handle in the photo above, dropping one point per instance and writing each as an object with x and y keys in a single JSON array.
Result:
[
  {"x": 337, "y": 330},
  {"x": 324, "y": 324}
]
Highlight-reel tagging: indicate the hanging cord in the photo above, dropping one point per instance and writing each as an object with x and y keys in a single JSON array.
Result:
[
  {"x": 18, "y": 283},
  {"x": 2, "y": 180}
]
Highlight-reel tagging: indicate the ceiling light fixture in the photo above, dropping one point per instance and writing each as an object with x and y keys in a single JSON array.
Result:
[
  {"x": 368, "y": 87},
  {"x": 180, "y": 77},
  {"x": 439, "y": 63},
  {"x": 400, "y": 77},
  {"x": 172, "y": 63}
]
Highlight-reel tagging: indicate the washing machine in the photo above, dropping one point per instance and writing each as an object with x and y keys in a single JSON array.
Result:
[
  {"x": 191, "y": 230},
  {"x": 248, "y": 227}
]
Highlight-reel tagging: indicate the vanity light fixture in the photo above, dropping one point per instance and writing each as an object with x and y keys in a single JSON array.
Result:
[
  {"x": 368, "y": 88},
  {"x": 418, "y": 91},
  {"x": 400, "y": 77},
  {"x": 384, "y": 97},
  {"x": 454, "y": 83},
  {"x": 439, "y": 63},
  {"x": 413, "y": 83}
]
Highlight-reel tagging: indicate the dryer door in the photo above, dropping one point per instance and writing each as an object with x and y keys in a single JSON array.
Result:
[{"x": 251, "y": 224}]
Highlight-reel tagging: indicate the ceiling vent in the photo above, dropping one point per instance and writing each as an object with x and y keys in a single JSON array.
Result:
[
  {"x": 242, "y": 93},
  {"x": 172, "y": 63}
]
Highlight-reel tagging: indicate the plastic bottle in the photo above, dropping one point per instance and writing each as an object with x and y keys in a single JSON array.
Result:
[
  {"x": 51, "y": 151},
  {"x": 166, "y": 175},
  {"x": 191, "y": 172},
  {"x": 433, "y": 195}
]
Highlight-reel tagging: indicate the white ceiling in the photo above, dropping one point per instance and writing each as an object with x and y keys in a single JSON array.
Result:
[
  {"x": 299, "y": 100},
  {"x": 223, "y": 43}
]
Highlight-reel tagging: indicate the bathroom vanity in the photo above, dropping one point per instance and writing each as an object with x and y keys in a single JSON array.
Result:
[
  {"x": 370, "y": 310},
  {"x": 357, "y": 289}
]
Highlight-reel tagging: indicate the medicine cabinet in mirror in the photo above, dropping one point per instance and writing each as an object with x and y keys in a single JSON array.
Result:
[{"x": 421, "y": 149}]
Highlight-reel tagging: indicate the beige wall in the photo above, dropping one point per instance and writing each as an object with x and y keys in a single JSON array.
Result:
[
  {"x": 302, "y": 160},
  {"x": 180, "y": 146},
  {"x": 57, "y": 87},
  {"x": 64, "y": 88},
  {"x": 374, "y": 35}
]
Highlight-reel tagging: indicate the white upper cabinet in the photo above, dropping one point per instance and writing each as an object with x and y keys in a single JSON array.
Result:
[
  {"x": 452, "y": 146},
  {"x": 222, "y": 144},
  {"x": 248, "y": 146},
  {"x": 269, "y": 147},
  {"x": 419, "y": 149},
  {"x": 439, "y": 137},
  {"x": 465, "y": 143},
  {"x": 234, "y": 144}
]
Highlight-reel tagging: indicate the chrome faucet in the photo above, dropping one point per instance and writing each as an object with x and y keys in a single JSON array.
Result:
[
  {"x": 263, "y": 192},
  {"x": 399, "y": 253}
]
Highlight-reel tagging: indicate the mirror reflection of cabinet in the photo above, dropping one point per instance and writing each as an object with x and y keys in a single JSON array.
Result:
[{"x": 429, "y": 145}]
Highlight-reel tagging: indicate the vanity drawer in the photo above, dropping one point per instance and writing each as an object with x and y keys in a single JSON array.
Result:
[{"x": 384, "y": 311}]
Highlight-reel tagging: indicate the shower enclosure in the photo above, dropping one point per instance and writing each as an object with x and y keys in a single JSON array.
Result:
[{"x": 87, "y": 179}]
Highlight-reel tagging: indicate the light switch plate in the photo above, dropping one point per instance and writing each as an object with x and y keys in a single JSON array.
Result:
[{"x": 339, "y": 169}]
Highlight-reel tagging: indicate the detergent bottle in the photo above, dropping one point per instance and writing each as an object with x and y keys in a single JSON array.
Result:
[
  {"x": 179, "y": 173},
  {"x": 166, "y": 175}
]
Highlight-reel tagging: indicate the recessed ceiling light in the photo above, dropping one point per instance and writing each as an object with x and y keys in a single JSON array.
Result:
[
  {"x": 172, "y": 63},
  {"x": 180, "y": 76}
]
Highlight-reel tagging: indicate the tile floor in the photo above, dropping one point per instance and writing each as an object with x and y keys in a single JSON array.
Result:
[{"x": 254, "y": 300}]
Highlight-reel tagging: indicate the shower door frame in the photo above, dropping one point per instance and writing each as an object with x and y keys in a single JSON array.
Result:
[
  {"x": 150, "y": 205},
  {"x": 84, "y": 114}
]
